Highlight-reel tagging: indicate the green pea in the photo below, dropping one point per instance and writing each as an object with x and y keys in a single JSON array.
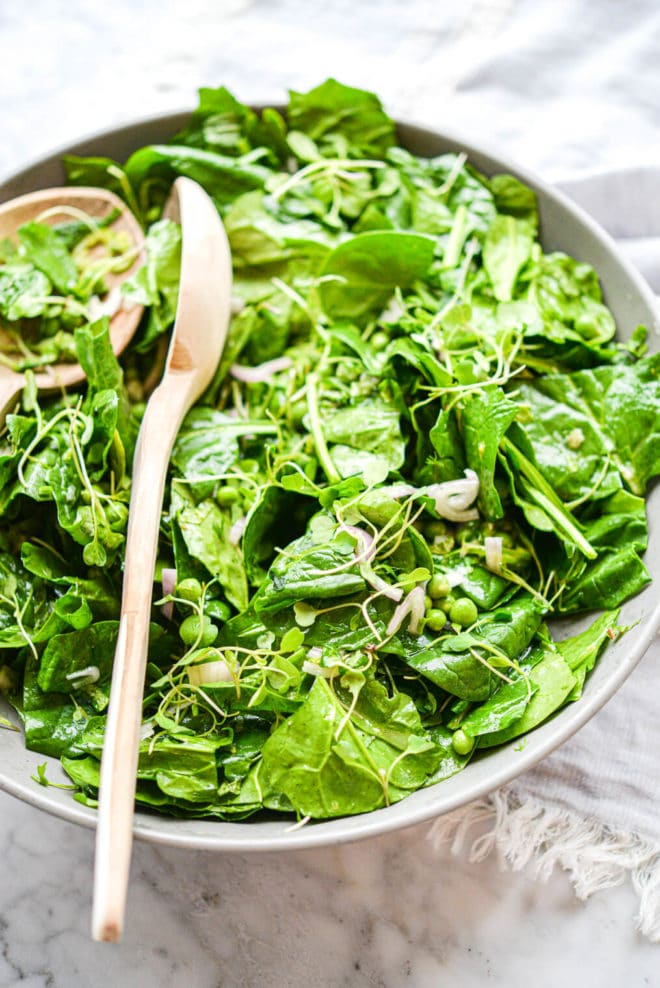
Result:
[
  {"x": 435, "y": 527},
  {"x": 379, "y": 340},
  {"x": 249, "y": 466},
  {"x": 346, "y": 372},
  {"x": 189, "y": 589},
  {"x": 218, "y": 609},
  {"x": 297, "y": 412},
  {"x": 435, "y": 619},
  {"x": 446, "y": 603},
  {"x": 462, "y": 743},
  {"x": 439, "y": 586},
  {"x": 463, "y": 611},
  {"x": 226, "y": 496},
  {"x": 193, "y": 630},
  {"x": 428, "y": 603}
]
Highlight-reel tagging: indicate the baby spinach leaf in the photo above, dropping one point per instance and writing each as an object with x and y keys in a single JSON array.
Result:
[
  {"x": 622, "y": 406},
  {"x": 221, "y": 176},
  {"x": 464, "y": 664},
  {"x": 553, "y": 681},
  {"x": 507, "y": 247},
  {"x": 205, "y": 530},
  {"x": 44, "y": 249},
  {"x": 67, "y": 655},
  {"x": 342, "y": 119},
  {"x": 327, "y": 767},
  {"x": 568, "y": 297},
  {"x": 372, "y": 427},
  {"x": 156, "y": 284},
  {"x": 359, "y": 275},
  {"x": 613, "y": 577},
  {"x": 52, "y": 722},
  {"x": 581, "y": 651},
  {"x": 276, "y": 518},
  {"x": 486, "y": 416},
  {"x": 23, "y": 291},
  {"x": 512, "y": 198},
  {"x": 308, "y": 570}
]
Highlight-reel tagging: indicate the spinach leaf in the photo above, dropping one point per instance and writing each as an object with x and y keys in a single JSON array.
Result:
[
  {"x": 613, "y": 577},
  {"x": 221, "y": 176},
  {"x": 359, "y": 275},
  {"x": 466, "y": 664},
  {"x": 486, "y": 416},
  {"x": 552, "y": 680},
  {"x": 44, "y": 249},
  {"x": 156, "y": 284},
  {"x": 310, "y": 569},
  {"x": 581, "y": 651},
  {"x": 328, "y": 764},
  {"x": 205, "y": 530},
  {"x": 372, "y": 427},
  {"x": 621, "y": 406},
  {"x": 342, "y": 120},
  {"x": 507, "y": 248}
]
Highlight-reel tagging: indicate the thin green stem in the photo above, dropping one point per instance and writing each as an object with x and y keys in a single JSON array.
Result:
[{"x": 316, "y": 431}]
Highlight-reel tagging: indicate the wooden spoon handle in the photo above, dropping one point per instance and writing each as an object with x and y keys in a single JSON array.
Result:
[
  {"x": 11, "y": 385},
  {"x": 162, "y": 419}
]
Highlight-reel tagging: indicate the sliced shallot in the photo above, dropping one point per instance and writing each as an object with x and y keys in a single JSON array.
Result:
[
  {"x": 453, "y": 498},
  {"x": 168, "y": 581},
  {"x": 412, "y": 604},
  {"x": 236, "y": 531},
  {"x": 493, "y": 546},
  {"x": 260, "y": 373}
]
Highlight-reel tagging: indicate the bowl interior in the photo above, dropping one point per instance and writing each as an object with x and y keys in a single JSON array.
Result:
[{"x": 563, "y": 227}]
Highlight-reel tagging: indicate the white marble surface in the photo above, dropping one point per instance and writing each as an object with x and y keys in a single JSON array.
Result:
[
  {"x": 386, "y": 913},
  {"x": 389, "y": 912}
]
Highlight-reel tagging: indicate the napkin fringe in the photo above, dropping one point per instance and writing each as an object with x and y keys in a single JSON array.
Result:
[{"x": 527, "y": 833}]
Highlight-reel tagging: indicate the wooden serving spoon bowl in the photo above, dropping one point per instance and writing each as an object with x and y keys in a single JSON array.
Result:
[{"x": 56, "y": 204}]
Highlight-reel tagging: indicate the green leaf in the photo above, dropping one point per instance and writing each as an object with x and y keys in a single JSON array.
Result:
[
  {"x": 360, "y": 274},
  {"x": 507, "y": 248},
  {"x": 205, "y": 529},
  {"x": 485, "y": 416},
  {"x": 221, "y": 176},
  {"x": 309, "y": 570},
  {"x": 581, "y": 651},
  {"x": 463, "y": 664},
  {"x": 327, "y": 767},
  {"x": 341, "y": 118},
  {"x": 156, "y": 283},
  {"x": 75, "y": 651},
  {"x": 23, "y": 291},
  {"x": 371, "y": 427},
  {"x": 613, "y": 577},
  {"x": 553, "y": 681},
  {"x": 616, "y": 408},
  {"x": 43, "y": 248}
]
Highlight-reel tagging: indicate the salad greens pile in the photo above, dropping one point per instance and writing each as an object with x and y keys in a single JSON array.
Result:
[
  {"x": 422, "y": 441},
  {"x": 52, "y": 281}
]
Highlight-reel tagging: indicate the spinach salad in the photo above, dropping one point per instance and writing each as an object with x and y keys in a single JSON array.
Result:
[
  {"x": 422, "y": 442},
  {"x": 52, "y": 282}
]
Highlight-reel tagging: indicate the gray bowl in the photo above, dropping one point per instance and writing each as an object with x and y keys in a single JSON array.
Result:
[{"x": 563, "y": 227}]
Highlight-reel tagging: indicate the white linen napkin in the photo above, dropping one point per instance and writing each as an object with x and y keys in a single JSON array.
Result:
[{"x": 592, "y": 807}]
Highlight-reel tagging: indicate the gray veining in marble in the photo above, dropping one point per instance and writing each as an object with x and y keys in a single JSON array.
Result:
[{"x": 388, "y": 913}]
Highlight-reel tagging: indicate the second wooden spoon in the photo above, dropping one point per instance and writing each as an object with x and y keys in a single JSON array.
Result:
[{"x": 49, "y": 206}]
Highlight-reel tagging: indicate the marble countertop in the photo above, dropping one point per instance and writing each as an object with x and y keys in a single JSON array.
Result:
[
  {"x": 385, "y": 913},
  {"x": 391, "y": 911}
]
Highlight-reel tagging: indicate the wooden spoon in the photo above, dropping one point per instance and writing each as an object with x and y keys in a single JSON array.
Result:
[
  {"x": 198, "y": 338},
  {"x": 57, "y": 204}
]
